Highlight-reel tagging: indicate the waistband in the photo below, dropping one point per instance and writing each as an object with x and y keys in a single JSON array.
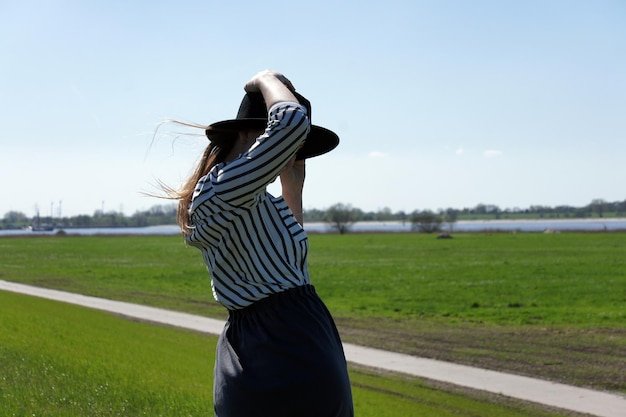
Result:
[{"x": 291, "y": 294}]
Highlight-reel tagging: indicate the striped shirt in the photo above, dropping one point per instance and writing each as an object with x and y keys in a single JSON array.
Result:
[{"x": 251, "y": 243}]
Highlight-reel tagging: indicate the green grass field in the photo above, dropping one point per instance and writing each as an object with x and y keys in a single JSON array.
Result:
[
  {"x": 63, "y": 360},
  {"x": 547, "y": 305},
  {"x": 561, "y": 280},
  {"x": 522, "y": 279}
]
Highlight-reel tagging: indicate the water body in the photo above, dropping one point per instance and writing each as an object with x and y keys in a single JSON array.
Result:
[{"x": 585, "y": 225}]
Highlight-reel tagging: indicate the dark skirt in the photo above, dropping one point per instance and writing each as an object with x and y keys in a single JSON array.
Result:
[{"x": 282, "y": 357}]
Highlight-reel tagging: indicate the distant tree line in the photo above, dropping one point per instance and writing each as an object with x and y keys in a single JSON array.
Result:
[
  {"x": 340, "y": 216},
  {"x": 156, "y": 215}
]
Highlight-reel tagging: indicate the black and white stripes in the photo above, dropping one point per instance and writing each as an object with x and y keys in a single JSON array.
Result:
[{"x": 250, "y": 241}]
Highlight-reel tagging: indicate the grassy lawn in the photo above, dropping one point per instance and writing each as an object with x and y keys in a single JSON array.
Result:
[
  {"x": 59, "y": 360},
  {"x": 548, "y": 305},
  {"x": 62, "y": 360}
]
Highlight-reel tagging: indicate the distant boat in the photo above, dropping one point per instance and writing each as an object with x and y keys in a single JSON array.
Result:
[
  {"x": 42, "y": 228},
  {"x": 39, "y": 227}
]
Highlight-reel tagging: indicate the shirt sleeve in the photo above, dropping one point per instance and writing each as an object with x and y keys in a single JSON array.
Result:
[{"x": 240, "y": 182}]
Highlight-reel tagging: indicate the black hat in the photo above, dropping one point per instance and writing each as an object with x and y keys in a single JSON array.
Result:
[{"x": 253, "y": 114}]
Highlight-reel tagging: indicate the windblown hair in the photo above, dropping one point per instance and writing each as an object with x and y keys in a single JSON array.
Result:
[{"x": 216, "y": 152}]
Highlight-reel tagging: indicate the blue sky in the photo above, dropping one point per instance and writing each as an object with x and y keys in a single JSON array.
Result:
[{"x": 438, "y": 103}]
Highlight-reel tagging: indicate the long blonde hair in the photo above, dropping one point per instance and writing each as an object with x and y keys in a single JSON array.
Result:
[{"x": 216, "y": 152}]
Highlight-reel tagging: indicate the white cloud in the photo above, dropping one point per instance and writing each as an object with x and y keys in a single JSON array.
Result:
[
  {"x": 378, "y": 155},
  {"x": 492, "y": 153},
  {"x": 460, "y": 150}
]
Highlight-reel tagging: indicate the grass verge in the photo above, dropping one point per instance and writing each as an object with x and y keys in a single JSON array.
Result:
[
  {"x": 542, "y": 305},
  {"x": 63, "y": 360}
]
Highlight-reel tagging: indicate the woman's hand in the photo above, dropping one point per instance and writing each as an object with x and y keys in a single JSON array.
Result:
[
  {"x": 274, "y": 86},
  {"x": 292, "y": 181},
  {"x": 255, "y": 83}
]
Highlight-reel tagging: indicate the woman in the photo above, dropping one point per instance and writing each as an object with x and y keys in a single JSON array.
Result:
[{"x": 279, "y": 353}]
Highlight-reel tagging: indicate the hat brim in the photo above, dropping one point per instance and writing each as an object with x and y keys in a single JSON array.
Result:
[{"x": 318, "y": 142}]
